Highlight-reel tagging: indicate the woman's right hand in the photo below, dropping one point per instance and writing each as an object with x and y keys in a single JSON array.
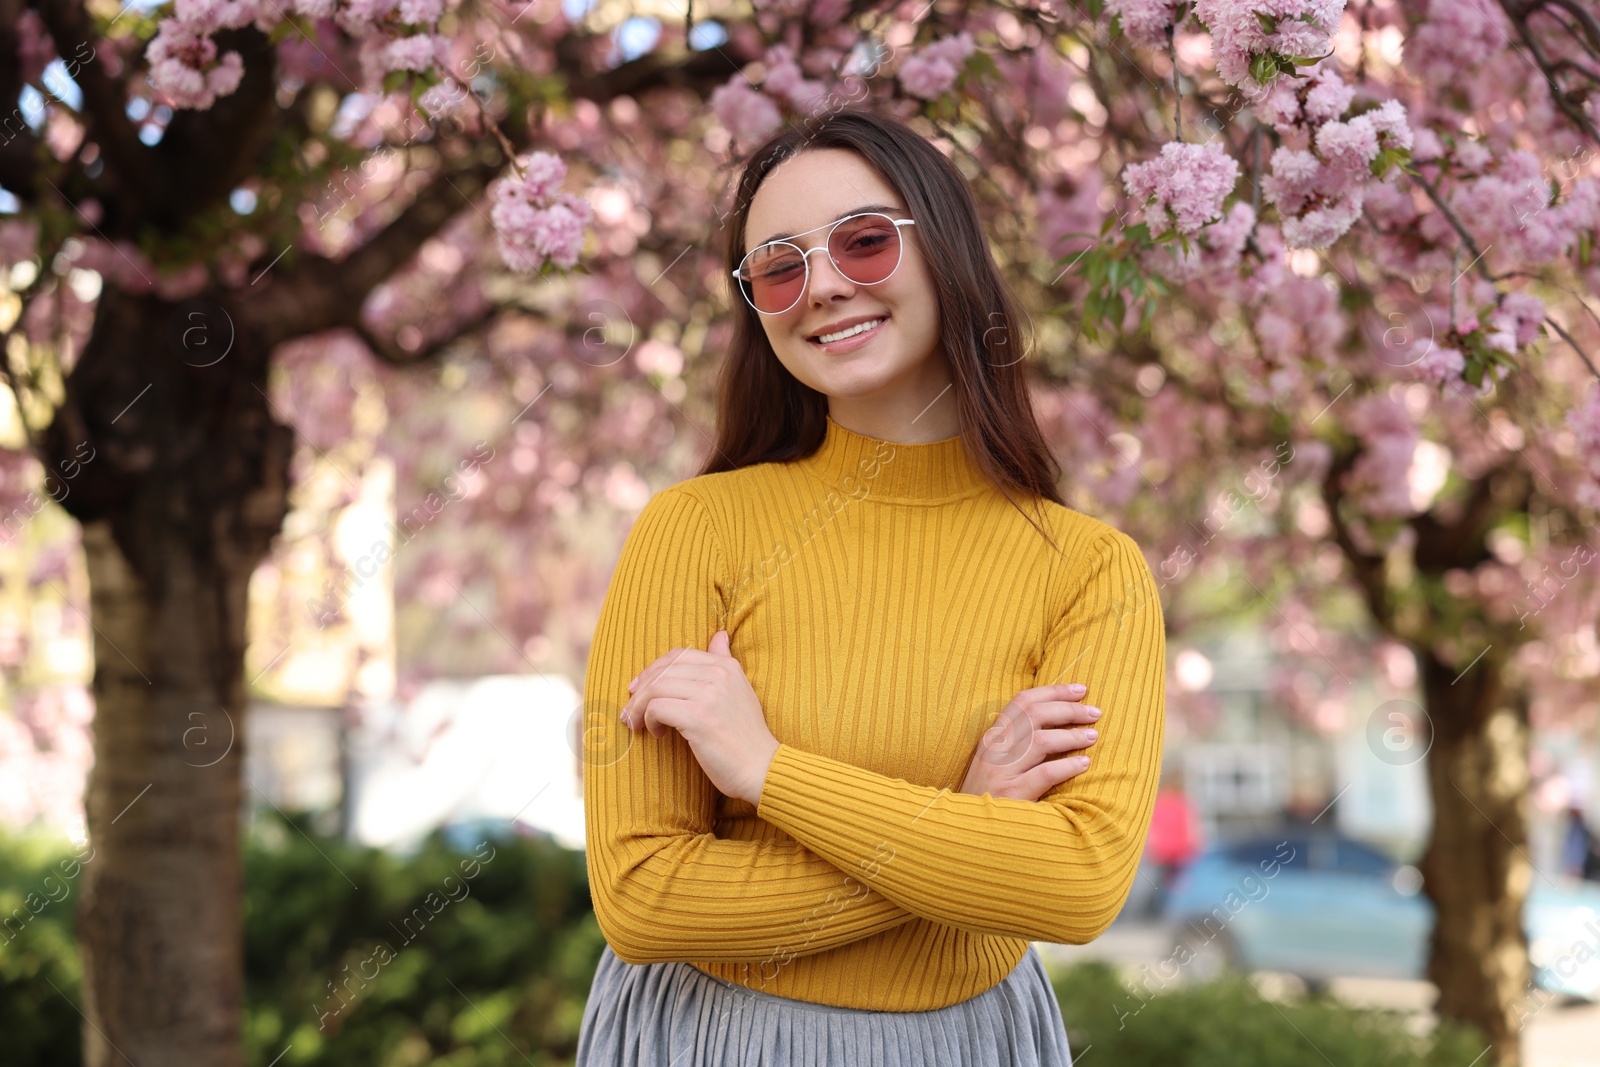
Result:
[{"x": 1011, "y": 760}]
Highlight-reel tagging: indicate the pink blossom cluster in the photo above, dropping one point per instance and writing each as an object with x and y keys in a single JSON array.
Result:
[
  {"x": 1584, "y": 422},
  {"x": 748, "y": 114},
  {"x": 1215, "y": 251},
  {"x": 933, "y": 70},
  {"x": 1069, "y": 205},
  {"x": 392, "y": 34},
  {"x": 1518, "y": 317},
  {"x": 183, "y": 66},
  {"x": 1319, "y": 189},
  {"x": 534, "y": 220},
  {"x": 1301, "y": 28},
  {"x": 1438, "y": 364},
  {"x": 1299, "y": 321},
  {"x": 1295, "y": 107},
  {"x": 1183, "y": 188},
  {"x": 1509, "y": 205},
  {"x": 1455, "y": 36},
  {"x": 447, "y": 98},
  {"x": 785, "y": 79},
  {"x": 1380, "y": 476},
  {"x": 1261, "y": 271},
  {"x": 1143, "y": 22}
]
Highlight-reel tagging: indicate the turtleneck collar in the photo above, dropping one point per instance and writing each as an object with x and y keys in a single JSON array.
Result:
[{"x": 873, "y": 469}]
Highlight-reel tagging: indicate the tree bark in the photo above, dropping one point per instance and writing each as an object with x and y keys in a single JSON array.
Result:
[
  {"x": 1476, "y": 868},
  {"x": 185, "y": 484}
]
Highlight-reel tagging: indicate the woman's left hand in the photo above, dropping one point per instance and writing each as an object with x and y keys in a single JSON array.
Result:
[{"x": 706, "y": 698}]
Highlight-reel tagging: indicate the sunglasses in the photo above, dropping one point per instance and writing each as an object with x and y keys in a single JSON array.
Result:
[{"x": 865, "y": 248}]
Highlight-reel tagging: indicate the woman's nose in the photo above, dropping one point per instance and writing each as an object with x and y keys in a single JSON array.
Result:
[{"x": 825, "y": 277}]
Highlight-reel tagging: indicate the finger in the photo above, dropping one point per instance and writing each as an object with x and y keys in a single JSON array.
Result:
[
  {"x": 1056, "y": 713},
  {"x": 1062, "y": 691},
  {"x": 1067, "y": 740},
  {"x": 672, "y": 661},
  {"x": 680, "y": 681},
  {"x": 677, "y": 685},
  {"x": 662, "y": 714},
  {"x": 1051, "y": 773}
]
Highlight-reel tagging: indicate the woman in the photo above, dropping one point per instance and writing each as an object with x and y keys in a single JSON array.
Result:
[{"x": 829, "y": 803}]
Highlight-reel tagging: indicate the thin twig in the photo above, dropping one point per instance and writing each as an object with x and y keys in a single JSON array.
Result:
[
  {"x": 1177, "y": 94},
  {"x": 1450, "y": 216},
  {"x": 505, "y": 145},
  {"x": 1565, "y": 336}
]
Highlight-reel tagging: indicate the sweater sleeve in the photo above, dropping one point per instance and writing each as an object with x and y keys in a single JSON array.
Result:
[
  {"x": 1057, "y": 869},
  {"x": 664, "y": 886}
]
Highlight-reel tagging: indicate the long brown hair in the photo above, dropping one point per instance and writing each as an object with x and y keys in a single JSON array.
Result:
[{"x": 765, "y": 414}]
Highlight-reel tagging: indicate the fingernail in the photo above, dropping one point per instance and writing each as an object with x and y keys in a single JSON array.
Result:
[
  {"x": 1093, "y": 735},
  {"x": 632, "y": 684},
  {"x": 1094, "y": 713},
  {"x": 1078, "y": 688},
  {"x": 1085, "y": 760}
]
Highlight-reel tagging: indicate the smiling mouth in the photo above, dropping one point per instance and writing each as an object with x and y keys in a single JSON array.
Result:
[{"x": 859, "y": 330}]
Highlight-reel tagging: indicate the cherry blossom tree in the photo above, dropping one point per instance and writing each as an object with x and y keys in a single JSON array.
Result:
[{"x": 1311, "y": 281}]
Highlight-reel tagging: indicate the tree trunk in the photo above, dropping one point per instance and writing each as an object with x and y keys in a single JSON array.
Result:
[
  {"x": 180, "y": 497},
  {"x": 1476, "y": 869}
]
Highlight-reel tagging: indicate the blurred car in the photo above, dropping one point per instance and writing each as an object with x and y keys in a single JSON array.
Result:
[{"x": 1321, "y": 906}]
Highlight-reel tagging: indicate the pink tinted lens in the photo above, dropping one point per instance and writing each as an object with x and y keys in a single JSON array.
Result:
[{"x": 866, "y": 250}]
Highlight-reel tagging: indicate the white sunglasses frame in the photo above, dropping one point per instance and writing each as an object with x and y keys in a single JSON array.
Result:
[{"x": 805, "y": 257}]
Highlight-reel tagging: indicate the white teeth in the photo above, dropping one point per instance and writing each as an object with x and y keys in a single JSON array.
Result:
[{"x": 829, "y": 338}]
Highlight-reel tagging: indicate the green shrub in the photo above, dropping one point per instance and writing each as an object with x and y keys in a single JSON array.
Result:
[
  {"x": 39, "y": 968},
  {"x": 480, "y": 971},
  {"x": 1228, "y": 1024},
  {"x": 466, "y": 956}
]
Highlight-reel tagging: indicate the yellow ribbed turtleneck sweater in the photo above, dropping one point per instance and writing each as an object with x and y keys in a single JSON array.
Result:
[{"x": 885, "y": 603}]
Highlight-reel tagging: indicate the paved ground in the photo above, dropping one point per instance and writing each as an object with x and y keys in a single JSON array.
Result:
[{"x": 1559, "y": 1035}]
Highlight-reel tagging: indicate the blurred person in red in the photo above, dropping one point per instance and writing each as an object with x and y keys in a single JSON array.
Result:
[{"x": 1174, "y": 836}]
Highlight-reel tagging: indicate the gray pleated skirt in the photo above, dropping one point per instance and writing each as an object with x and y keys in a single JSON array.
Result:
[{"x": 674, "y": 1015}]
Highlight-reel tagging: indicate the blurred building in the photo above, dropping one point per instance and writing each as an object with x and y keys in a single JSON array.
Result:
[
  {"x": 498, "y": 747},
  {"x": 1355, "y": 762}
]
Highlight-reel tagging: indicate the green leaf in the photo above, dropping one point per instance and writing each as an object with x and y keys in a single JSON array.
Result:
[
  {"x": 394, "y": 79},
  {"x": 1269, "y": 24}
]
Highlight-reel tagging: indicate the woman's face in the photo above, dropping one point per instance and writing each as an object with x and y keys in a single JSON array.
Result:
[{"x": 901, "y": 368}]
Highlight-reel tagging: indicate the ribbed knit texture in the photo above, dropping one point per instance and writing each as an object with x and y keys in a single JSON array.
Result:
[{"x": 886, "y": 603}]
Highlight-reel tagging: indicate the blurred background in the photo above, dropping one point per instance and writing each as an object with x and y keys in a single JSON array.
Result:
[{"x": 343, "y": 343}]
